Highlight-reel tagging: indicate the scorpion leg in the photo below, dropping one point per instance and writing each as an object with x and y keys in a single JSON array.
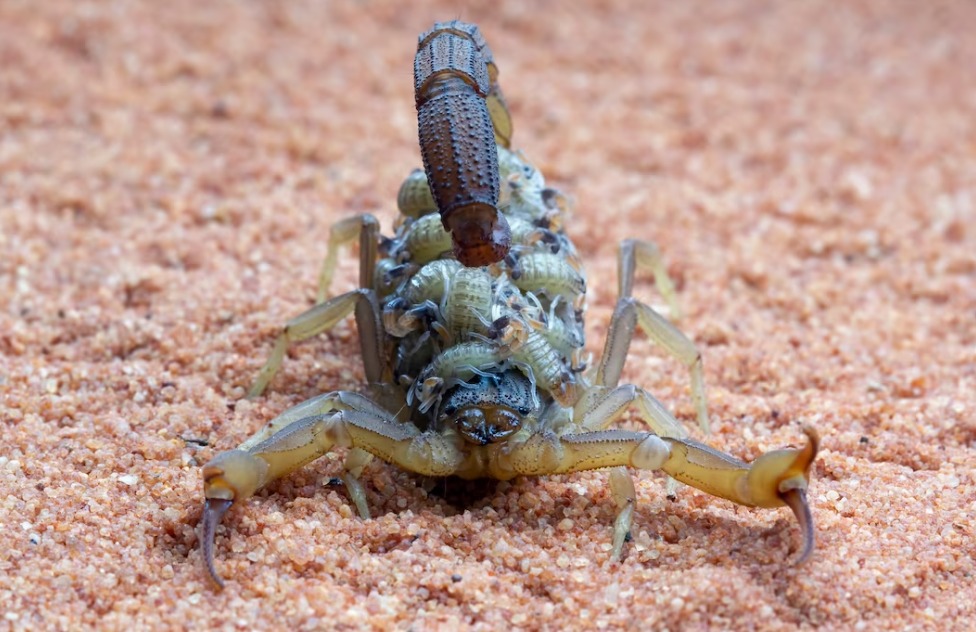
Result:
[
  {"x": 326, "y": 314},
  {"x": 634, "y": 254},
  {"x": 345, "y": 231},
  {"x": 775, "y": 479},
  {"x": 596, "y": 410},
  {"x": 629, "y": 313},
  {"x": 356, "y": 459},
  {"x": 237, "y": 474},
  {"x": 322, "y": 317},
  {"x": 600, "y": 406},
  {"x": 624, "y": 496}
]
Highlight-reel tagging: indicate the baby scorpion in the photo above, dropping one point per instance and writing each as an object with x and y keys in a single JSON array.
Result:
[{"x": 471, "y": 329}]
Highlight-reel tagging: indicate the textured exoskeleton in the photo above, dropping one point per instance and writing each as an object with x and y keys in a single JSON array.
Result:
[
  {"x": 478, "y": 370},
  {"x": 460, "y": 114}
]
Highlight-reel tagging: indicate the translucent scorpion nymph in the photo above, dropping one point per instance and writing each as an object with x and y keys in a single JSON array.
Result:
[{"x": 471, "y": 326}]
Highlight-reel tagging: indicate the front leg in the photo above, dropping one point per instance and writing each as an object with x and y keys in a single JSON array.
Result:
[
  {"x": 636, "y": 254},
  {"x": 599, "y": 407},
  {"x": 343, "y": 232},
  {"x": 630, "y": 312},
  {"x": 326, "y": 314},
  {"x": 323, "y": 317}
]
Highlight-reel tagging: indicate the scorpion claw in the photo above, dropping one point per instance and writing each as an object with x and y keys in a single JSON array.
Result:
[
  {"x": 793, "y": 490},
  {"x": 796, "y": 499},
  {"x": 213, "y": 511}
]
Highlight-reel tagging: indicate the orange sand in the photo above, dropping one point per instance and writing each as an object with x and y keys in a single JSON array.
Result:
[{"x": 168, "y": 175}]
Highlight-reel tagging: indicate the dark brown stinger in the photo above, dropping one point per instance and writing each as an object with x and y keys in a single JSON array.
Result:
[{"x": 457, "y": 139}]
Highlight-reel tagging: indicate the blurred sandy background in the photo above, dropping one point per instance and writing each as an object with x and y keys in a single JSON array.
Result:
[{"x": 168, "y": 175}]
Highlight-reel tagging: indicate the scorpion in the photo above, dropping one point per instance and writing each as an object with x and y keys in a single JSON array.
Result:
[{"x": 470, "y": 323}]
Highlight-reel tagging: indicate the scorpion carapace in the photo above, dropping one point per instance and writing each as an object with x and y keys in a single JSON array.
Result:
[
  {"x": 479, "y": 372},
  {"x": 453, "y": 88},
  {"x": 489, "y": 408}
]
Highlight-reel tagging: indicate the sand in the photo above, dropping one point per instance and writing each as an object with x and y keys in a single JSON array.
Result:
[{"x": 168, "y": 175}]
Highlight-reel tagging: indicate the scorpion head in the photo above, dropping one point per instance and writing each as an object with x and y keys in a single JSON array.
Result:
[{"x": 490, "y": 408}]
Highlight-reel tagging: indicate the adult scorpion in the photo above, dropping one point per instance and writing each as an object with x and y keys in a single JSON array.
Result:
[{"x": 470, "y": 322}]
